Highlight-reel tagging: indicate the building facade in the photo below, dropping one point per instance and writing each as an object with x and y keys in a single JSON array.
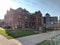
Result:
[
  {"x": 50, "y": 22},
  {"x": 1, "y": 22},
  {"x": 21, "y": 18}
]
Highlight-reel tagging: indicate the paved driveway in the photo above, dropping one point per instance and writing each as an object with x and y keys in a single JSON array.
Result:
[{"x": 33, "y": 39}]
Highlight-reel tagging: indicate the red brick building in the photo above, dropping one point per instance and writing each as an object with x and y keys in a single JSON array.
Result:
[{"x": 21, "y": 18}]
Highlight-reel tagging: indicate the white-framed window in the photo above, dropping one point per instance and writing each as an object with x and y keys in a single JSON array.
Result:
[
  {"x": 51, "y": 22},
  {"x": 19, "y": 16},
  {"x": 26, "y": 17}
]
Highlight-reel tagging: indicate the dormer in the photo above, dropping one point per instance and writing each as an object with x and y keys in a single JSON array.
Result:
[{"x": 47, "y": 15}]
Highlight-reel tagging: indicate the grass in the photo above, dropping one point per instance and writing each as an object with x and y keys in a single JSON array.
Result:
[
  {"x": 46, "y": 42},
  {"x": 16, "y": 33},
  {"x": 3, "y": 32}
]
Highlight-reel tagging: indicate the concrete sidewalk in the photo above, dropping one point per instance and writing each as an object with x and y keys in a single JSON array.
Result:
[
  {"x": 33, "y": 39},
  {"x": 4, "y": 41}
]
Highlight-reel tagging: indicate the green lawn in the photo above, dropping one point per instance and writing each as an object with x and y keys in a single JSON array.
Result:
[
  {"x": 46, "y": 42},
  {"x": 16, "y": 33}
]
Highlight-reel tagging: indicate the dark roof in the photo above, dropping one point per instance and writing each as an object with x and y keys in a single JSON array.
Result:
[
  {"x": 47, "y": 14},
  {"x": 19, "y": 9}
]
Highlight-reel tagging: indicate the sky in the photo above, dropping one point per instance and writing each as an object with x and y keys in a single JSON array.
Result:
[{"x": 45, "y": 6}]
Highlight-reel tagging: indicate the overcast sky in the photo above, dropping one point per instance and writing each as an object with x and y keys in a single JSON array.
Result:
[{"x": 45, "y": 6}]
